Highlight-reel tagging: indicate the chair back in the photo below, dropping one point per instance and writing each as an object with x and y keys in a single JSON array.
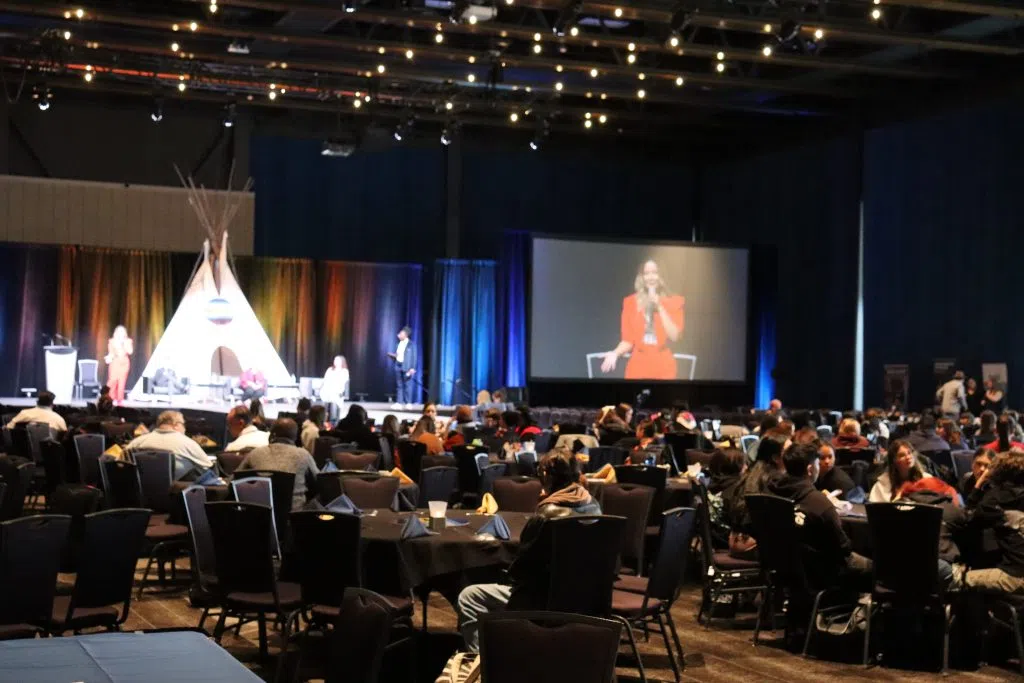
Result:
[
  {"x": 30, "y": 551},
  {"x": 633, "y": 502},
  {"x": 357, "y": 461},
  {"x": 545, "y": 441},
  {"x": 526, "y": 463},
  {"x": 669, "y": 568},
  {"x": 242, "y": 546},
  {"x": 106, "y": 563},
  {"x": 465, "y": 462},
  {"x": 694, "y": 457},
  {"x": 121, "y": 486},
  {"x": 825, "y": 433},
  {"x": 411, "y": 455},
  {"x": 584, "y": 562},
  {"x": 681, "y": 443},
  {"x": 53, "y": 465},
  {"x": 322, "y": 449},
  {"x": 778, "y": 539},
  {"x": 18, "y": 481},
  {"x": 858, "y": 471},
  {"x": 562, "y": 647},
  {"x": 707, "y": 548},
  {"x": 282, "y": 488},
  {"x": 376, "y": 493},
  {"x": 646, "y": 475},
  {"x": 517, "y": 494},
  {"x": 962, "y": 461},
  {"x": 489, "y": 474},
  {"x": 327, "y": 557},
  {"x": 847, "y": 456},
  {"x": 437, "y": 483},
  {"x": 605, "y": 455},
  {"x": 199, "y": 529},
  {"x": 88, "y": 371},
  {"x": 943, "y": 458},
  {"x": 156, "y": 473},
  {"x": 89, "y": 448},
  {"x": 20, "y": 442},
  {"x": 38, "y": 432},
  {"x": 387, "y": 451},
  {"x": 229, "y": 461},
  {"x": 747, "y": 442},
  {"x": 359, "y": 638},
  {"x": 328, "y": 486},
  {"x": 905, "y": 544},
  {"x": 259, "y": 490}
]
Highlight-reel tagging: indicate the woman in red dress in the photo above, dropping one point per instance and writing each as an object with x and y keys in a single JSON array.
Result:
[
  {"x": 652, "y": 318},
  {"x": 120, "y": 347}
]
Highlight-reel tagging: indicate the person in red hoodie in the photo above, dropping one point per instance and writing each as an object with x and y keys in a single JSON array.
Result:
[{"x": 849, "y": 436}]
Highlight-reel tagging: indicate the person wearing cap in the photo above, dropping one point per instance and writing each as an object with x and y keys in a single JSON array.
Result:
[{"x": 687, "y": 421}]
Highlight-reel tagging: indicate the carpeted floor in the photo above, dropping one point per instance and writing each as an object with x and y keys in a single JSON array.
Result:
[{"x": 718, "y": 654}]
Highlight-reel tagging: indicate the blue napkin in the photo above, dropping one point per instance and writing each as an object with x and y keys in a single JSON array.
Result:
[
  {"x": 329, "y": 467},
  {"x": 496, "y": 527},
  {"x": 313, "y": 504},
  {"x": 344, "y": 504},
  {"x": 856, "y": 496},
  {"x": 208, "y": 478},
  {"x": 456, "y": 522},
  {"x": 414, "y": 528}
]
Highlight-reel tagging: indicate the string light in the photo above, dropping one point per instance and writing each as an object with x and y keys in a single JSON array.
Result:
[
  {"x": 284, "y": 65},
  {"x": 766, "y": 50},
  {"x": 439, "y": 37},
  {"x": 574, "y": 31},
  {"x": 819, "y": 34},
  {"x": 604, "y": 96},
  {"x": 587, "y": 115},
  {"x": 631, "y": 47},
  {"x": 381, "y": 50},
  {"x": 641, "y": 93},
  {"x": 720, "y": 67},
  {"x": 357, "y": 103},
  {"x": 513, "y": 117},
  {"x": 471, "y": 78},
  {"x": 80, "y": 13},
  {"x": 381, "y": 68},
  {"x": 536, "y": 37},
  {"x": 631, "y": 58},
  {"x": 558, "y": 68},
  {"x": 593, "y": 73},
  {"x": 181, "y": 86},
  {"x": 618, "y": 12},
  {"x": 510, "y": 2},
  {"x": 88, "y": 77},
  {"x": 193, "y": 27},
  {"x": 641, "y": 76},
  {"x": 674, "y": 41},
  {"x": 472, "y": 19},
  {"x": 588, "y": 123},
  {"x": 720, "y": 56},
  {"x": 536, "y": 48},
  {"x": 602, "y": 119},
  {"x": 272, "y": 94},
  {"x": 175, "y": 27},
  {"x": 767, "y": 28},
  {"x": 679, "y": 81},
  {"x": 448, "y": 105},
  {"x": 559, "y": 86},
  {"x": 67, "y": 35},
  {"x": 175, "y": 47},
  {"x": 213, "y": 8},
  {"x": 472, "y": 59},
  {"x": 876, "y": 14}
]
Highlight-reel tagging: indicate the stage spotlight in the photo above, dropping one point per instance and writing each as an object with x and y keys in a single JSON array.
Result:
[
  {"x": 157, "y": 113},
  {"x": 229, "y": 116},
  {"x": 876, "y": 14}
]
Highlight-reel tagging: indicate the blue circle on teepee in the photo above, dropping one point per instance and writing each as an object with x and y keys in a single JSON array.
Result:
[{"x": 218, "y": 311}]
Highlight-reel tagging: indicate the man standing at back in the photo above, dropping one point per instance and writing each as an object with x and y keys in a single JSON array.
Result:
[
  {"x": 406, "y": 360},
  {"x": 952, "y": 397}
]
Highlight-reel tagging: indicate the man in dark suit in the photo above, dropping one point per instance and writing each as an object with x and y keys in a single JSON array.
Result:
[{"x": 406, "y": 360}]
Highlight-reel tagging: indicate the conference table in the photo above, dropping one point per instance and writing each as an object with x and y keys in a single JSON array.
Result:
[{"x": 121, "y": 658}]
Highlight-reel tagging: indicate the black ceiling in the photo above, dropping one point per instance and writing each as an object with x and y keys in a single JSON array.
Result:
[{"x": 703, "y": 67}]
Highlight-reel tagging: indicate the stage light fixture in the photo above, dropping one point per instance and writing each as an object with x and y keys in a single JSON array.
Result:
[
  {"x": 766, "y": 50},
  {"x": 819, "y": 34},
  {"x": 876, "y": 14},
  {"x": 593, "y": 73},
  {"x": 229, "y": 116},
  {"x": 641, "y": 93},
  {"x": 618, "y": 12},
  {"x": 67, "y": 35},
  {"x": 157, "y": 113},
  {"x": 631, "y": 58},
  {"x": 679, "y": 81}
]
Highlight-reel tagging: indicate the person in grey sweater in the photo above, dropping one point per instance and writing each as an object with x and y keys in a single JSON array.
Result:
[
  {"x": 282, "y": 455},
  {"x": 952, "y": 397}
]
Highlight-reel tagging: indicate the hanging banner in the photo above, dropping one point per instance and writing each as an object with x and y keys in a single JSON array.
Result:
[{"x": 895, "y": 386}]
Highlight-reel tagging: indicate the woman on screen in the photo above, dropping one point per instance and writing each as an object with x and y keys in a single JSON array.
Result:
[{"x": 652, "y": 318}]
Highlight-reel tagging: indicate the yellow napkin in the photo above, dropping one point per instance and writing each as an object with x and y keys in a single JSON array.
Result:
[
  {"x": 402, "y": 476},
  {"x": 607, "y": 472},
  {"x": 488, "y": 506},
  {"x": 140, "y": 430},
  {"x": 115, "y": 451},
  {"x": 204, "y": 441}
]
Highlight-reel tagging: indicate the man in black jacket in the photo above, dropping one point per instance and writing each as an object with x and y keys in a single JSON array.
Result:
[
  {"x": 997, "y": 503},
  {"x": 828, "y": 554}
]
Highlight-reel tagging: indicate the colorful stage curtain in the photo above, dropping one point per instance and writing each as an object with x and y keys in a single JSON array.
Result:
[{"x": 311, "y": 310}]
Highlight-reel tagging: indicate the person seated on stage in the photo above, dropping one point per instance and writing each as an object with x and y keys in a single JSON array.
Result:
[
  {"x": 926, "y": 438},
  {"x": 43, "y": 412},
  {"x": 167, "y": 379},
  {"x": 559, "y": 472},
  {"x": 828, "y": 553},
  {"x": 259, "y": 418},
  {"x": 983, "y": 458},
  {"x": 901, "y": 467},
  {"x": 424, "y": 434},
  {"x": 282, "y": 455},
  {"x": 355, "y": 427},
  {"x": 253, "y": 384},
  {"x": 997, "y": 504},
  {"x": 243, "y": 431},
  {"x": 302, "y": 411},
  {"x": 849, "y": 436},
  {"x": 312, "y": 426},
  {"x": 169, "y": 435}
]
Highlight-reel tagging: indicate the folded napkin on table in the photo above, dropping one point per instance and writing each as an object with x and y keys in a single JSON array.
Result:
[
  {"x": 497, "y": 527},
  {"x": 329, "y": 466},
  {"x": 115, "y": 452},
  {"x": 402, "y": 476},
  {"x": 344, "y": 505},
  {"x": 856, "y": 496},
  {"x": 414, "y": 528},
  {"x": 488, "y": 506},
  {"x": 204, "y": 441},
  {"x": 607, "y": 472},
  {"x": 693, "y": 470}
]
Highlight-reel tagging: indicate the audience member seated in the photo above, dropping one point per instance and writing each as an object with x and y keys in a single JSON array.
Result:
[
  {"x": 983, "y": 458},
  {"x": 528, "y": 574},
  {"x": 492, "y": 421},
  {"x": 1006, "y": 429},
  {"x": 828, "y": 553},
  {"x": 849, "y": 436},
  {"x": 901, "y": 467},
  {"x": 831, "y": 479},
  {"x": 355, "y": 427},
  {"x": 951, "y": 434},
  {"x": 986, "y": 433},
  {"x": 725, "y": 469},
  {"x": 282, "y": 455},
  {"x": 768, "y": 423},
  {"x": 243, "y": 431},
  {"x": 259, "y": 418},
  {"x": 43, "y": 412},
  {"x": 767, "y": 467},
  {"x": 615, "y": 423},
  {"x": 302, "y": 411},
  {"x": 646, "y": 437},
  {"x": 925, "y": 438},
  {"x": 877, "y": 428},
  {"x": 934, "y": 491},
  {"x": 454, "y": 434},
  {"x": 424, "y": 434},
  {"x": 311, "y": 427},
  {"x": 169, "y": 435},
  {"x": 997, "y": 503},
  {"x": 526, "y": 422}
]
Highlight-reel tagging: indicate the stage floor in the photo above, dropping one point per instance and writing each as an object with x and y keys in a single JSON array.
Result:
[{"x": 377, "y": 411}]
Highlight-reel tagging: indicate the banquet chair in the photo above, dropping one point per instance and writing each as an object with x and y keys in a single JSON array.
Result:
[
  {"x": 847, "y": 456},
  {"x": 322, "y": 449},
  {"x": 17, "y": 480},
  {"x": 825, "y": 433},
  {"x": 203, "y": 592},
  {"x": 647, "y": 475},
  {"x": 905, "y": 541},
  {"x": 30, "y": 550},
  {"x": 469, "y": 471},
  {"x": 378, "y": 493},
  {"x": 562, "y": 647},
  {"x": 747, "y": 442},
  {"x": 281, "y": 488},
  {"x": 962, "y": 461},
  {"x": 1006, "y": 611},
  {"x": 545, "y": 441},
  {"x": 89, "y": 448},
  {"x": 942, "y": 458},
  {"x": 53, "y": 467},
  {"x": 526, "y": 463},
  {"x": 605, "y": 455},
  {"x": 411, "y": 454},
  {"x": 229, "y": 461},
  {"x": 259, "y": 491},
  {"x": 633, "y": 502},
  {"x": 364, "y": 633},
  {"x": 488, "y": 475},
  {"x": 721, "y": 573},
  {"x": 654, "y": 605},
  {"x": 120, "y": 482},
  {"x": 243, "y": 552},
  {"x": 437, "y": 483},
  {"x": 517, "y": 494},
  {"x": 106, "y": 571},
  {"x": 20, "y": 442},
  {"x": 357, "y": 461}
]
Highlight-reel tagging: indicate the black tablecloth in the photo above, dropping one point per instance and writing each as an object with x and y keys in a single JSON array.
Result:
[
  {"x": 121, "y": 658},
  {"x": 678, "y": 492},
  {"x": 856, "y": 527}
]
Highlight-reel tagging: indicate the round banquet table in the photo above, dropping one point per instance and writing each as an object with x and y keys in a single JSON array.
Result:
[
  {"x": 678, "y": 492},
  {"x": 855, "y": 524}
]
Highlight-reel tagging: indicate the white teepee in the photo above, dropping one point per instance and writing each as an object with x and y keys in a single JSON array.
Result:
[{"x": 214, "y": 331}]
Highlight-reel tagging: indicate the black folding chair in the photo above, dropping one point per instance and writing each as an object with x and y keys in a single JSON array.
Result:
[
  {"x": 282, "y": 488},
  {"x": 490, "y": 474},
  {"x": 469, "y": 473},
  {"x": 437, "y": 483},
  {"x": 363, "y": 634},
  {"x": 410, "y": 454},
  {"x": 633, "y": 502},
  {"x": 30, "y": 551},
  {"x": 605, "y": 455},
  {"x": 376, "y": 493},
  {"x": 647, "y": 475},
  {"x": 203, "y": 593},
  {"x": 848, "y": 456},
  {"x": 517, "y": 494}
]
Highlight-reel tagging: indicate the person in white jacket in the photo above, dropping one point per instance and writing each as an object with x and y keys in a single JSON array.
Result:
[{"x": 332, "y": 392}]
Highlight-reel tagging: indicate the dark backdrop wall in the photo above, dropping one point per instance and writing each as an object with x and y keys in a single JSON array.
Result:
[{"x": 944, "y": 233}]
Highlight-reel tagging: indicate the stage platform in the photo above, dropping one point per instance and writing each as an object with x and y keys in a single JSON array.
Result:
[{"x": 377, "y": 411}]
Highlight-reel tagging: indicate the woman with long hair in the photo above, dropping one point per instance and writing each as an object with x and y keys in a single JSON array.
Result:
[
  {"x": 994, "y": 398},
  {"x": 652, "y": 319},
  {"x": 1006, "y": 430},
  {"x": 424, "y": 433},
  {"x": 120, "y": 348},
  {"x": 901, "y": 466}
]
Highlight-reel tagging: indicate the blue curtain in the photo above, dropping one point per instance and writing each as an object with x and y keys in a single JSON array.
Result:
[
  {"x": 466, "y": 348},
  {"x": 512, "y": 308}
]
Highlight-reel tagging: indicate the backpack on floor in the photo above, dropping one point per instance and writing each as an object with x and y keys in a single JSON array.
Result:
[{"x": 462, "y": 667}]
